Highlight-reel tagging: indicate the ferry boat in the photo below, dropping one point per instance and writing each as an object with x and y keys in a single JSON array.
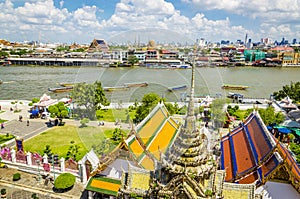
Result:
[
  {"x": 68, "y": 84},
  {"x": 136, "y": 84},
  {"x": 234, "y": 87},
  {"x": 61, "y": 89},
  {"x": 115, "y": 88},
  {"x": 175, "y": 88}
]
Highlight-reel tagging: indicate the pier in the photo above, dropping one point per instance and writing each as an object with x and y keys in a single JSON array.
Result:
[{"x": 23, "y": 61}]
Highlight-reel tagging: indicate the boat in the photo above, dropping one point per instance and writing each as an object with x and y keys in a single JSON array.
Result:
[
  {"x": 234, "y": 87},
  {"x": 68, "y": 84},
  {"x": 176, "y": 88},
  {"x": 115, "y": 88},
  {"x": 181, "y": 66},
  {"x": 61, "y": 89},
  {"x": 136, "y": 84}
]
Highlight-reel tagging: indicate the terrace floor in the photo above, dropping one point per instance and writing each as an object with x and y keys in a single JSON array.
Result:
[{"x": 28, "y": 184}]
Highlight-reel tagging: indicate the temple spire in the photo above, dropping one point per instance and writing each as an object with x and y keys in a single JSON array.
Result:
[{"x": 190, "y": 119}]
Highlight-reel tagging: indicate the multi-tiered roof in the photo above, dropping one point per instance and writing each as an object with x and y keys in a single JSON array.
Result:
[{"x": 251, "y": 154}]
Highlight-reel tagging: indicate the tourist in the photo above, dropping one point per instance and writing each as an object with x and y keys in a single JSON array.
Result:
[
  {"x": 27, "y": 122},
  {"x": 20, "y": 118},
  {"x": 2, "y": 125}
]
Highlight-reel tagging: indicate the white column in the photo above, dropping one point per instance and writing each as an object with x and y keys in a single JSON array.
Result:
[
  {"x": 45, "y": 158},
  {"x": 90, "y": 195},
  {"x": 13, "y": 156},
  {"x": 62, "y": 164},
  {"x": 82, "y": 171},
  {"x": 29, "y": 160}
]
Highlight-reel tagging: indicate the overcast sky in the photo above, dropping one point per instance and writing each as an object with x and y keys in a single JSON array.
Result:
[{"x": 129, "y": 21}]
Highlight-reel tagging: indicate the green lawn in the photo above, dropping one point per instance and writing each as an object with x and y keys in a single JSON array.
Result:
[
  {"x": 112, "y": 115},
  {"x": 59, "y": 138},
  {"x": 2, "y": 121}
]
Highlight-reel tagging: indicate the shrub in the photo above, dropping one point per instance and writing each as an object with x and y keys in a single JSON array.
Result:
[
  {"x": 84, "y": 122},
  {"x": 3, "y": 191},
  {"x": 64, "y": 181},
  {"x": 30, "y": 104},
  {"x": 208, "y": 192},
  {"x": 35, "y": 100},
  {"x": 16, "y": 176},
  {"x": 34, "y": 196}
]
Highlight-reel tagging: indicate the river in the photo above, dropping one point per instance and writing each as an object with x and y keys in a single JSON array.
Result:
[{"x": 26, "y": 82}]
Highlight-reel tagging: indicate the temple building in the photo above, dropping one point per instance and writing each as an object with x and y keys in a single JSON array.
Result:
[
  {"x": 251, "y": 154},
  {"x": 167, "y": 157},
  {"x": 98, "y": 45}
]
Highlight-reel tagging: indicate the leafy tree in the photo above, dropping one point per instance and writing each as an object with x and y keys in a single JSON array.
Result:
[
  {"x": 295, "y": 148},
  {"x": 48, "y": 150},
  {"x": 148, "y": 102},
  {"x": 91, "y": 97},
  {"x": 73, "y": 152},
  {"x": 292, "y": 90},
  {"x": 269, "y": 116},
  {"x": 173, "y": 108},
  {"x": 58, "y": 110},
  {"x": 132, "y": 59},
  {"x": 117, "y": 135},
  {"x": 3, "y": 54}
]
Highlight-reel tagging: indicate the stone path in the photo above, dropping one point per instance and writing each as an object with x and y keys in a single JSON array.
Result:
[{"x": 21, "y": 130}]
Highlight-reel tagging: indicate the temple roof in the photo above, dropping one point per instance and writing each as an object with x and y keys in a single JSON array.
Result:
[
  {"x": 104, "y": 185},
  {"x": 152, "y": 137},
  {"x": 250, "y": 154}
]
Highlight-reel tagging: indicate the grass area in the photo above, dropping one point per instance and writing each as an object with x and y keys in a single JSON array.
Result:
[
  {"x": 60, "y": 138},
  {"x": 2, "y": 121},
  {"x": 5, "y": 138},
  {"x": 112, "y": 115}
]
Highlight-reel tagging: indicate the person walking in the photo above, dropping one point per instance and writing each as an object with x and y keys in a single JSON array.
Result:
[{"x": 27, "y": 122}]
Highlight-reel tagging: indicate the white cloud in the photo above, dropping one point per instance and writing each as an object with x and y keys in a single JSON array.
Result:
[{"x": 41, "y": 17}]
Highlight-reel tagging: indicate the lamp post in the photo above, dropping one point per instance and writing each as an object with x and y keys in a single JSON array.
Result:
[
  {"x": 53, "y": 167},
  {"x": 39, "y": 174}
]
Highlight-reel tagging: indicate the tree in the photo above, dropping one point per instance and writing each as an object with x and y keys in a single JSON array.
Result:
[
  {"x": 269, "y": 116},
  {"x": 91, "y": 97},
  {"x": 292, "y": 90},
  {"x": 59, "y": 110},
  {"x": 132, "y": 59},
  {"x": 148, "y": 102},
  {"x": 73, "y": 152},
  {"x": 117, "y": 135},
  {"x": 48, "y": 150}
]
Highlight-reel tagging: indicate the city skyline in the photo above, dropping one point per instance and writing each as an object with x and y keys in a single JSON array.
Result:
[{"x": 141, "y": 20}]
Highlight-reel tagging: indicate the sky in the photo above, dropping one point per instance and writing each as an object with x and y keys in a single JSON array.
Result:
[{"x": 164, "y": 21}]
